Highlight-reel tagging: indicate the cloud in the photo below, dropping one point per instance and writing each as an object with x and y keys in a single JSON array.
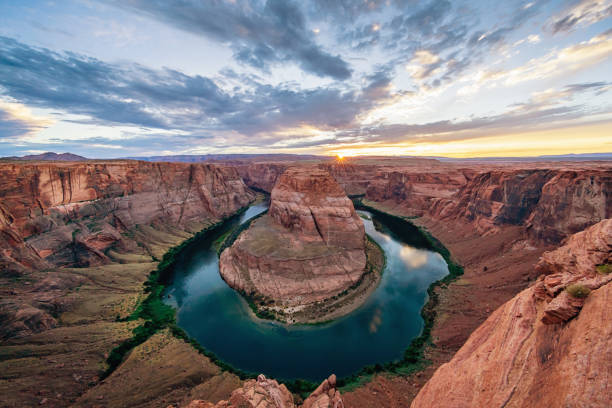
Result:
[
  {"x": 260, "y": 34},
  {"x": 16, "y": 120},
  {"x": 583, "y": 13},
  {"x": 134, "y": 95},
  {"x": 541, "y": 109},
  {"x": 556, "y": 63}
]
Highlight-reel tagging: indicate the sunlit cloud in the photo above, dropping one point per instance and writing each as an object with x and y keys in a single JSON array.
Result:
[
  {"x": 556, "y": 63},
  {"x": 18, "y": 121},
  {"x": 584, "y": 13}
]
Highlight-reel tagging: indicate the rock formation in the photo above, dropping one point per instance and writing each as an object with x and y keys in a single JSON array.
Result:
[
  {"x": 309, "y": 247},
  {"x": 551, "y": 200},
  {"x": 548, "y": 346},
  {"x": 66, "y": 214},
  {"x": 78, "y": 240},
  {"x": 551, "y": 203},
  {"x": 267, "y": 393},
  {"x": 99, "y": 213}
]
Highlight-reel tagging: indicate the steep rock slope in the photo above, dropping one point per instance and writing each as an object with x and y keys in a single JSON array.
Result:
[
  {"x": 313, "y": 206},
  {"x": 262, "y": 176},
  {"x": 551, "y": 200},
  {"x": 548, "y": 346},
  {"x": 309, "y": 247}
]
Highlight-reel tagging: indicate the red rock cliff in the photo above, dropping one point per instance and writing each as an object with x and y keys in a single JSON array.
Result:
[
  {"x": 70, "y": 213},
  {"x": 551, "y": 204},
  {"x": 550, "y": 346}
]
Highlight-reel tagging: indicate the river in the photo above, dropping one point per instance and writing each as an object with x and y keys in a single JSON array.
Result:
[{"x": 378, "y": 332}]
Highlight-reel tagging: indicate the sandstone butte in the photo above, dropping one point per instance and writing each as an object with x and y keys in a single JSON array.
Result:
[
  {"x": 549, "y": 346},
  {"x": 308, "y": 248}
]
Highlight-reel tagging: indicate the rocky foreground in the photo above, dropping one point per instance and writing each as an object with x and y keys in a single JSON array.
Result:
[
  {"x": 267, "y": 393},
  {"x": 310, "y": 246},
  {"x": 550, "y": 346}
]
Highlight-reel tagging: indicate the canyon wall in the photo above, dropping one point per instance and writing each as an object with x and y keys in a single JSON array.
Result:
[
  {"x": 551, "y": 345},
  {"x": 551, "y": 204},
  {"x": 65, "y": 214},
  {"x": 552, "y": 201}
]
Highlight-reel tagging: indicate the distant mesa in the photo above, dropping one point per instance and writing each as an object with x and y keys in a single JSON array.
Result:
[
  {"x": 308, "y": 249},
  {"x": 245, "y": 157},
  {"x": 49, "y": 156}
]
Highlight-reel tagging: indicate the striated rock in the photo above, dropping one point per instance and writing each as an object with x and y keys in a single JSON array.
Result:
[
  {"x": 575, "y": 263},
  {"x": 311, "y": 204},
  {"x": 309, "y": 247},
  {"x": 569, "y": 202},
  {"x": 419, "y": 190},
  {"x": 262, "y": 176},
  {"x": 580, "y": 254},
  {"x": 267, "y": 393},
  {"x": 95, "y": 213},
  {"x": 70, "y": 214},
  {"x": 551, "y": 203},
  {"x": 534, "y": 351},
  {"x": 551, "y": 200},
  {"x": 562, "y": 308}
]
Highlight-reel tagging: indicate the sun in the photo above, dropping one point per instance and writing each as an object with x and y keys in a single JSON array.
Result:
[{"x": 340, "y": 157}]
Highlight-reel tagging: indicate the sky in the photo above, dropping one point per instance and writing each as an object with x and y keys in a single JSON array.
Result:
[{"x": 118, "y": 78}]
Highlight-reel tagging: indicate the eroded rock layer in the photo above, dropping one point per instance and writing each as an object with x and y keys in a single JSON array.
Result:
[
  {"x": 309, "y": 247},
  {"x": 74, "y": 214},
  {"x": 551, "y": 345},
  {"x": 552, "y": 200}
]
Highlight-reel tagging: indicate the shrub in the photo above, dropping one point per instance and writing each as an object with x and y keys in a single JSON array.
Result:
[
  {"x": 578, "y": 291},
  {"x": 604, "y": 269}
]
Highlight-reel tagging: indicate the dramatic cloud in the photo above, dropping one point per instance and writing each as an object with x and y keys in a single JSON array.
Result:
[
  {"x": 157, "y": 77},
  {"x": 542, "y": 109},
  {"x": 168, "y": 99},
  {"x": 567, "y": 60},
  {"x": 260, "y": 35},
  {"x": 17, "y": 121}
]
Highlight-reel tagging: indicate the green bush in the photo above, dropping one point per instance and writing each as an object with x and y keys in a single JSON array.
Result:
[
  {"x": 604, "y": 269},
  {"x": 578, "y": 291}
]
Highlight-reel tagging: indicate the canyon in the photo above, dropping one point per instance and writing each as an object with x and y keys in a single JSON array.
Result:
[
  {"x": 79, "y": 239},
  {"x": 309, "y": 247}
]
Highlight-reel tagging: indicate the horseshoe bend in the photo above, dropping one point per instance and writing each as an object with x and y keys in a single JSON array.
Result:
[
  {"x": 305, "y": 204},
  {"x": 306, "y": 251},
  {"x": 82, "y": 242}
]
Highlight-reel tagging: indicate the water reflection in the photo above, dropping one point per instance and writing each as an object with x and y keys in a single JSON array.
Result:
[{"x": 377, "y": 332}]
